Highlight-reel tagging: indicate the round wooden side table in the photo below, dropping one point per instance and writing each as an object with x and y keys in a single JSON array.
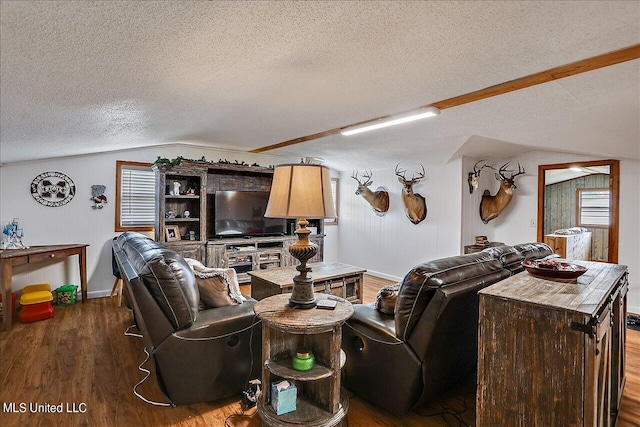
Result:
[{"x": 284, "y": 331}]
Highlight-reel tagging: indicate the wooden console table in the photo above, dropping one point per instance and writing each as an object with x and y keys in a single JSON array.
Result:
[
  {"x": 285, "y": 330},
  {"x": 553, "y": 353},
  {"x": 328, "y": 277},
  {"x": 14, "y": 257}
]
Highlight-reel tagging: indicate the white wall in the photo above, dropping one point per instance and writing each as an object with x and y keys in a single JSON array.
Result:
[
  {"x": 514, "y": 223},
  {"x": 77, "y": 222},
  {"x": 389, "y": 246}
]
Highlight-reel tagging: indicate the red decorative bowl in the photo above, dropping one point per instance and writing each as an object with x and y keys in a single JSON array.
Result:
[{"x": 554, "y": 269}]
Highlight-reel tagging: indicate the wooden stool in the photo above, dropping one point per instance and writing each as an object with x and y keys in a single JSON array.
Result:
[{"x": 117, "y": 289}]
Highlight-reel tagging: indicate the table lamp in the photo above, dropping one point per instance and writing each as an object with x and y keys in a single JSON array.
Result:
[{"x": 301, "y": 191}]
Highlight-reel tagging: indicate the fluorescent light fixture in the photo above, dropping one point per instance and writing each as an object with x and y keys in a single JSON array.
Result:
[
  {"x": 410, "y": 116},
  {"x": 575, "y": 169}
]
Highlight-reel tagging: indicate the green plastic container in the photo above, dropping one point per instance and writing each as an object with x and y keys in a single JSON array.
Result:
[
  {"x": 303, "y": 360},
  {"x": 66, "y": 294}
]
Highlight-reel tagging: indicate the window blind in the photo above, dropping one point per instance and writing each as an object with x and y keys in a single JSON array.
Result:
[
  {"x": 137, "y": 196},
  {"x": 594, "y": 207}
]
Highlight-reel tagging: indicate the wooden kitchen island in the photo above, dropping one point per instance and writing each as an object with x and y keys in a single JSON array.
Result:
[{"x": 550, "y": 352}]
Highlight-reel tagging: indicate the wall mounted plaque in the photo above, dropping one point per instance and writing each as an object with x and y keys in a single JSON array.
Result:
[{"x": 53, "y": 189}]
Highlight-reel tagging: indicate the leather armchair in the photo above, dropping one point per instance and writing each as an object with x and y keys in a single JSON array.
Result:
[
  {"x": 430, "y": 344},
  {"x": 199, "y": 355},
  {"x": 511, "y": 257}
]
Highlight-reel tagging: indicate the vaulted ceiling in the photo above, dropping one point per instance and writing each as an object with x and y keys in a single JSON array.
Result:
[{"x": 82, "y": 77}]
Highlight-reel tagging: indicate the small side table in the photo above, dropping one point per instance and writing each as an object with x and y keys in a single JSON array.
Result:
[
  {"x": 470, "y": 249},
  {"x": 284, "y": 330}
]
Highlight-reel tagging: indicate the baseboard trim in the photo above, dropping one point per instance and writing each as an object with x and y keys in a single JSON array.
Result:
[
  {"x": 98, "y": 294},
  {"x": 384, "y": 276}
]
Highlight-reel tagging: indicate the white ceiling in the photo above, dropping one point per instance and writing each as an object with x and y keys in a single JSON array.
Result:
[{"x": 81, "y": 77}]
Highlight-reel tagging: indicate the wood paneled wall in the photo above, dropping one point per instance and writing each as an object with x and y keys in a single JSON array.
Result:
[{"x": 560, "y": 210}]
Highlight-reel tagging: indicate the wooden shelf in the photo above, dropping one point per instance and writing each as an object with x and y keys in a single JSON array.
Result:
[
  {"x": 240, "y": 264},
  {"x": 182, "y": 196},
  {"x": 283, "y": 368},
  {"x": 170, "y": 220},
  {"x": 306, "y": 414},
  {"x": 320, "y": 401}
]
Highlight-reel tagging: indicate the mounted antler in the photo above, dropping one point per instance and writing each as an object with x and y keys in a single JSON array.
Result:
[
  {"x": 492, "y": 206},
  {"x": 473, "y": 176},
  {"x": 414, "y": 203},
  {"x": 379, "y": 199}
]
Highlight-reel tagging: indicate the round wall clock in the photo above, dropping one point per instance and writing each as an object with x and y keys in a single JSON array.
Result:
[{"x": 53, "y": 189}]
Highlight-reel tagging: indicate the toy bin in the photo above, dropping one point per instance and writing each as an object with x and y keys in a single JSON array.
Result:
[
  {"x": 66, "y": 294},
  {"x": 36, "y": 302},
  {"x": 14, "y": 297}
]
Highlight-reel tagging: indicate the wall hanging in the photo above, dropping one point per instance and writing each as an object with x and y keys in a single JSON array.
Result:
[
  {"x": 415, "y": 205},
  {"x": 379, "y": 199},
  {"x": 53, "y": 189},
  {"x": 492, "y": 206},
  {"x": 97, "y": 196}
]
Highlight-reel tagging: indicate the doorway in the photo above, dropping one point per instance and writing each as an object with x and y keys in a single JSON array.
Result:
[{"x": 581, "y": 195}]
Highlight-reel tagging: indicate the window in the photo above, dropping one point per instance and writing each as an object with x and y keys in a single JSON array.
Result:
[
  {"x": 135, "y": 196},
  {"x": 334, "y": 194},
  {"x": 593, "y": 207}
]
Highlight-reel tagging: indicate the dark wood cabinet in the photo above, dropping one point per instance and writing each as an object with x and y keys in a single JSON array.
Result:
[
  {"x": 181, "y": 203},
  {"x": 256, "y": 253},
  {"x": 196, "y": 184},
  {"x": 552, "y": 353}
]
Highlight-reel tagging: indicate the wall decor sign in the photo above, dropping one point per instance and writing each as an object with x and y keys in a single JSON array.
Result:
[{"x": 53, "y": 189}]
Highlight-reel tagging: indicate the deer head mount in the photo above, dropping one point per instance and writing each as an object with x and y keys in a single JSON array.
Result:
[
  {"x": 415, "y": 205},
  {"x": 379, "y": 199},
  {"x": 492, "y": 206},
  {"x": 473, "y": 176}
]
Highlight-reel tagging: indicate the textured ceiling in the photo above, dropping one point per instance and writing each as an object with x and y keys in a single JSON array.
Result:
[{"x": 81, "y": 77}]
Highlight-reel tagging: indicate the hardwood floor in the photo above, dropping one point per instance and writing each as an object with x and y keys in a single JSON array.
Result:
[{"x": 82, "y": 360}]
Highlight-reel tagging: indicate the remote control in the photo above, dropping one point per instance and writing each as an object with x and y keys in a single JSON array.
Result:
[
  {"x": 325, "y": 304},
  {"x": 335, "y": 298}
]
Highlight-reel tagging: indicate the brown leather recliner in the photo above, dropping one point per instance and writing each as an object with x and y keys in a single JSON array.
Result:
[
  {"x": 511, "y": 257},
  {"x": 199, "y": 355},
  {"x": 430, "y": 344}
]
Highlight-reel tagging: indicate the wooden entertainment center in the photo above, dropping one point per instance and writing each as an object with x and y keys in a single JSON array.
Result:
[{"x": 194, "y": 234}]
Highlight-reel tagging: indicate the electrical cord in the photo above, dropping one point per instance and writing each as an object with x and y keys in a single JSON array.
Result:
[
  {"x": 246, "y": 407},
  {"x": 147, "y": 372},
  {"x": 132, "y": 334},
  {"x": 242, "y": 414},
  {"x": 447, "y": 412}
]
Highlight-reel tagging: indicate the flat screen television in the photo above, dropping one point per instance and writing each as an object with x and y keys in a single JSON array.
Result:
[{"x": 241, "y": 213}]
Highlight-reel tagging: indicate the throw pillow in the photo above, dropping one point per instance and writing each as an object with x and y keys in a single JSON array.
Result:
[
  {"x": 386, "y": 299},
  {"x": 218, "y": 286}
]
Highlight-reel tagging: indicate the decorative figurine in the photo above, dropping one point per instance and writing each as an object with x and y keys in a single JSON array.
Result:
[
  {"x": 12, "y": 236},
  {"x": 176, "y": 188},
  {"x": 97, "y": 195},
  {"x": 186, "y": 214}
]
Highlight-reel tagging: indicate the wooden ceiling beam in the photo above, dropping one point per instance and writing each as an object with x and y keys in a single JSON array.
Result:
[{"x": 605, "y": 60}]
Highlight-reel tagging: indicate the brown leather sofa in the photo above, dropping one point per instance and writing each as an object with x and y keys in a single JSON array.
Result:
[
  {"x": 199, "y": 354},
  {"x": 429, "y": 345}
]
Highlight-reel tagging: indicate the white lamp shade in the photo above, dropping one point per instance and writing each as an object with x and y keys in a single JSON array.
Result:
[{"x": 301, "y": 191}]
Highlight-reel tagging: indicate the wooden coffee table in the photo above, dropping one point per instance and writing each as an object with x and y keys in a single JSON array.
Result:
[{"x": 329, "y": 277}]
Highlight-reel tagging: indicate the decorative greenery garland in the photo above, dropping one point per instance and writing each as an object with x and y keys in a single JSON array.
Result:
[{"x": 175, "y": 162}]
